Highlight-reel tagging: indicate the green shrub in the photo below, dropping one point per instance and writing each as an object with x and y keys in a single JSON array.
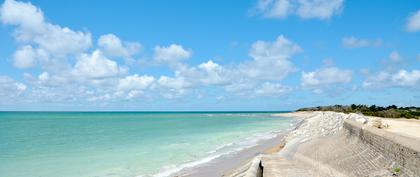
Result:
[{"x": 391, "y": 111}]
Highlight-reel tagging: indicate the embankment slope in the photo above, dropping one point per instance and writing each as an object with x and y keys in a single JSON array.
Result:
[{"x": 338, "y": 144}]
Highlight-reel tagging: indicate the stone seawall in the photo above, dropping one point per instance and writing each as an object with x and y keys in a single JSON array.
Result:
[
  {"x": 403, "y": 151},
  {"x": 337, "y": 144}
]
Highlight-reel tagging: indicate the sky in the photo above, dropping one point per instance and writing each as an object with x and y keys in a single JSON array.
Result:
[{"x": 186, "y": 55}]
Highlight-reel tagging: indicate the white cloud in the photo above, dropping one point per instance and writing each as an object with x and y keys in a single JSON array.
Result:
[
  {"x": 242, "y": 87},
  {"x": 322, "y": 9},
  {"x": 271, "y": 60},
  {"x": 406, "y": 78},
  {"x": 69, "y": 72},
  {"x": 25, "y": 57},
  {"x": 96, "y": 66},
  {"x": 114, "y": 47},
  {"x": 271, "y": 89},
  {"x": 10, "y": 89},
  {"x": 32, "y": 29},
  {"x": 275, "y": 9},
  {"x": 174, "y": 82},
  {"x": 30, "y": 21},
  {"x": 94, "y": 76},
  {"x": 134, "y": 94},
  {"x": 173, "y": 87},
  {"x": 326, "y": 76},
  {"x": 353, "y": 42},
  {"x": 135, "y": 82},
  {"x": 61, "y": 41},
  {"x": 306, "y": 9},
  {"x": 413, "y": 22},
  {"x": 214, "y": 73},
  {"x": 43, "y": 77},
  {"x": 401, "y": 78},
  {"x": 20, "y": 87},
  {"x": 171, "y": 55},
  {"x": 210, "y": 66}
]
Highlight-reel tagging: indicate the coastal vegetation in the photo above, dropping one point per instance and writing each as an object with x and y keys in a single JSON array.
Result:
[{"x": 391, "y": 111}]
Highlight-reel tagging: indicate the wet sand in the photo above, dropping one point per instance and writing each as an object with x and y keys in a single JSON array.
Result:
[{"x": 224, "y": 164}]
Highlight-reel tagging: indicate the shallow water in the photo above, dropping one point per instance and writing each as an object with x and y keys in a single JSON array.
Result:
[{"x": 70, "y": 144}]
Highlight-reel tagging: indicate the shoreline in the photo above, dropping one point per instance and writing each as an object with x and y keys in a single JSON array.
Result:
[
  {"x": 225, "y": 163},
  {"x": 326, "y": 143},
  {"x": 221, "y": 165},
  {"x": 306, "y": 126}
]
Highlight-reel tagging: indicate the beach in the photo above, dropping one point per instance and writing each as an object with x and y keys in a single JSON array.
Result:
[
  {"x": 338, "y": 144},
  {"x": 225, "y": 165}
]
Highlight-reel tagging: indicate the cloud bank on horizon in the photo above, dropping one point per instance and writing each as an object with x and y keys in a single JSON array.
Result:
[{"x": 55, "y": 66}]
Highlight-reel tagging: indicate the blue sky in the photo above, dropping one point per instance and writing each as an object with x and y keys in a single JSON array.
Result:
[{"x": 214, "y": 55}]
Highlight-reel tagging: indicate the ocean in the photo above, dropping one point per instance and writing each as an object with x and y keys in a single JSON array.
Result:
[{"x": 125, "y": 144}]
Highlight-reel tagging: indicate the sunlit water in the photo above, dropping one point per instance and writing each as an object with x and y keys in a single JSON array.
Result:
[{"x": 64, "y": 144}]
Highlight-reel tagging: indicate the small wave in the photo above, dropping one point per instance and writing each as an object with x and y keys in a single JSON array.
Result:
[
  {"x": 174, "y": 169},
  {"x": 224, "y": 150}
]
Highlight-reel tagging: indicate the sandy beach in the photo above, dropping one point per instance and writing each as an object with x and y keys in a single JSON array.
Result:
[
  {"x": 224, "y": 165},
  {"x": 406, "y": 127},
  {"x": 325, "y": 144}
]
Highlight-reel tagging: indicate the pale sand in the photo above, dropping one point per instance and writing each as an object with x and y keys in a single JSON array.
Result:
[{"x": 402, "y": 126}]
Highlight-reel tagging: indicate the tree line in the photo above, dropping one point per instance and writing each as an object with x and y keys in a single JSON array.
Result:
[{"x": 390, "y": 111}]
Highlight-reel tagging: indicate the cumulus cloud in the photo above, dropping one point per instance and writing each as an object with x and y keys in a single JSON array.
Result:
[
  {"x": 413, "y": 22},
  {"x": 353, "y": 42},
  {"x": 305, "y": 9},
  {"x": 271, "y": 89},
  {"x": 30, "y": 21},
  {"x": 96, "y": 66},
  {"x": 10, "y": 89},
  {"x": 174, "y": 82},
  {"x": 31, "y": 28},
  {"x": 401, "y": 78},
  {"x": 135, "y": 82},
  {"x": 406, "y": 78},
  {"x": 214, "y": 73},
  {"x": 25, "y": 57},
  {"x": 172, "y": 55},
  {"x": 270, "y": 61},
  {"x": 322, "y": 9},
  {"x": 71, "y": 69},
  {"x": 114, "y": 47},
  {"x": 62, "y": 41},
  {"x": 275, "y": 9},
  {"x": 325, "y": 77},
  {"x": 92, "y": 76},
  {"x": 8, "y": 84},
  {"x": 173, "y": 86}
]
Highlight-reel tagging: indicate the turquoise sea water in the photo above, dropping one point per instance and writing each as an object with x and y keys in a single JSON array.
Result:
[{"x": 70, "y": 144}]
